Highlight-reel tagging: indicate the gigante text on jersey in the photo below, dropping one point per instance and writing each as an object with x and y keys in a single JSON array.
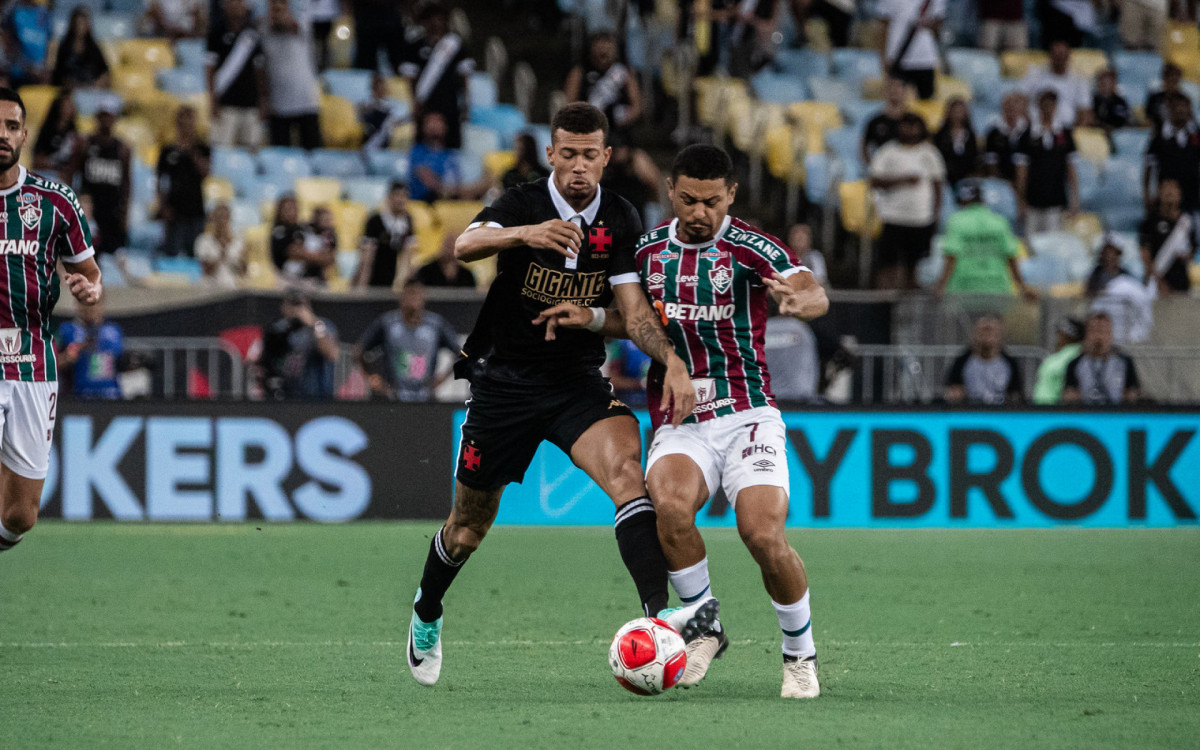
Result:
[{"x": 551, "y": 286}]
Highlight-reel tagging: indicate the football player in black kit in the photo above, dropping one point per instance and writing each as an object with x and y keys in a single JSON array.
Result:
[{"x": 560, "y": 239}]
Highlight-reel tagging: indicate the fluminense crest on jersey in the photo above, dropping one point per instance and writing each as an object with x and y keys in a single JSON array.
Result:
[
  {"x": 721, "y": 278},
  {"x": 31, "y": 214}
]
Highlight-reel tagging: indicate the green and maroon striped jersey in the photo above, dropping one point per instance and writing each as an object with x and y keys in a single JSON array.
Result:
[
  {"x": 715, "y": 305},
  {"x": 41, "y": 223}
]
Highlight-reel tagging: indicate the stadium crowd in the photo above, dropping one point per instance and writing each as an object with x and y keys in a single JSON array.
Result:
[{"x": 1001, "y": 148}]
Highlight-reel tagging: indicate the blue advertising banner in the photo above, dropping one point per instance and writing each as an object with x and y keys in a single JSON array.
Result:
[{"x": 954, "y": 469}]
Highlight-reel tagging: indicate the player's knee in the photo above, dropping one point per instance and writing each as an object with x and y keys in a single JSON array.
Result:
[
  {"x": 767, "y": 545},
  {"x": 462, "y": 540},
  {"x": 19, "y": 519},
  {"x": 674, "y": 517}
]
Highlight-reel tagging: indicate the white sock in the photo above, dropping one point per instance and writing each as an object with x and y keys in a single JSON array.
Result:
[
  {"x": 8, "y": 539},
  {"x": 795, "y": 620},
  {"x": 691, "y": 584}
]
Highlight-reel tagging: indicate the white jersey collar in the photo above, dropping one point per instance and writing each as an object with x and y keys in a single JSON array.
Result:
[
  {"x": 720, "y": 233},
  {"x": 21, "y": 174}
]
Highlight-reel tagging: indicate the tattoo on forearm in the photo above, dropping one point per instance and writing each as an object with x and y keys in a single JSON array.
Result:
[{"x": 650, "y": 337}]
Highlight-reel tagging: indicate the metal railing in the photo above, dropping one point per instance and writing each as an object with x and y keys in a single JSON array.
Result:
[
  {"x": 916, "y": 374},
  {"x": 176, "y": 361}
]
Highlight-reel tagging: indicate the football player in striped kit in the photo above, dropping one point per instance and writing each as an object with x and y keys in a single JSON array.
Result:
[
  {"x": 709, "y": 275},
  {"x": 41, "y": 224}
]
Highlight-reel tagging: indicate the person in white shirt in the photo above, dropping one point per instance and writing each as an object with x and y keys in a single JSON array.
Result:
[
  {"x": 916, "y": 63},
  {"x": 1074, "y": 95},
  {"x": 907, "y": 175},
  {"x": 175, "y": 19},
  {"x": 221, "y": 251}
]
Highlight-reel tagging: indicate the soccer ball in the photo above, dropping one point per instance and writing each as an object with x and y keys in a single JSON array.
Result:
[{"x": 647, "y": 656}]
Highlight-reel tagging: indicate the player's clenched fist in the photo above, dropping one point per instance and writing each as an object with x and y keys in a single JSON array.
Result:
[
  {"x": 558, "y": 235},
  {"x": 82, "y": 288}
]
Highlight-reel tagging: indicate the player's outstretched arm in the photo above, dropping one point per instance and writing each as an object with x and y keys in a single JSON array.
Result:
[
  {"x": 799, "y": 296},
  {"x": 83, "y": 279},
  {"x": 484, "y": 241},
  {"x": 645, "y": 329},
  {"x": 568, "y": 315}
]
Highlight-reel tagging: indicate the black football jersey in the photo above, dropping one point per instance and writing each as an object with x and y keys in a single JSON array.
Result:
[{"x": 505, "y": 345}]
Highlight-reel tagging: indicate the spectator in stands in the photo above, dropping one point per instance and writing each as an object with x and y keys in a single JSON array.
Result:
[
  {"x": 1174, "y": 154},
  {"x": 981, "y": 250},
  {"x": 380, "y": 114},
  {"x": 985, "y": 373},
  {"x": 294, "y": 94},
  {"x": 321, "y": 239},
  {"x": 1168, "y": 242},
  {"x": 378, "y": 27},
  {"x": 387, "y": 242},
  {"x": 235, "y": 67},
  {"x": 1002, "y": 25},
  {"x": 399, "y": 350},
  {"x": 1101, "y": 374},
  {"x": 799, "y": 239},
  {"x": 182, "y": 167},
  {"x": 437, "y": 68},
  {"x": 89, "y": 349},
  {"x": 102, "y": 162},
  {"x": 298, "y": 352},
  {"x": 1003, "y": 139},
  {"x": 297, "y": 254},
  {"x": 957, "y": 142},
  {"x": 1053, "y": 370},
  {"x": 1066, "y": 20},
  {"x": 175, "y": 19},
  {"x": 321, "y": 15},
  {"x": 1074, "y": 96},
  {"x": 56, "y": 139},
  {"x": 1046, "y": 182},
  {"x": 1109, "y": 108},
  {"x": 633, "y": 175},
  {"x": 25, "y": 41},
  {"x": 220, "y": 250},
  {"x": 433, "y": 169},
  {"x": 446, "y": 270},
  {"x": 1127, "y": 300},
  {"x": 907, "y": 175},
  {"x": 837, "y": 14},
  {"x": 528, "y": 167},
  {"x": 79, "y": 62},
  {"x": 1143, "y": 23},
  {"x": 606, "y": 83},
  {"x": 882, "y": 127},
  {"x": 908, "y": 44},
  {"x": 1158, "y": 110}
]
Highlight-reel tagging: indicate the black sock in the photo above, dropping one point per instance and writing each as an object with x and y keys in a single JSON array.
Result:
[
  {"x": 440, "y": 570},
  {"x": 637, "y": 537}
]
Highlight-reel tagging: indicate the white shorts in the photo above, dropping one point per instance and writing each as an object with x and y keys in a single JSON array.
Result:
[
  {"x": 27, "y": 415},
  {"x": 741, "y": 450}
]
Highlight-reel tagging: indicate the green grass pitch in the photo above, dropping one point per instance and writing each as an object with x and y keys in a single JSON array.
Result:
[{"x": 154, "y": 636}]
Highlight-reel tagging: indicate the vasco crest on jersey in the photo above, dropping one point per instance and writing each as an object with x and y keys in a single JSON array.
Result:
[{"x": 30, "y": 211}]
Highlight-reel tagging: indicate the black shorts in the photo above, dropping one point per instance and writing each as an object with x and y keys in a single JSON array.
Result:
[
  {"x": 506, "y": 423},
  {"x": 904, "y": 246}
]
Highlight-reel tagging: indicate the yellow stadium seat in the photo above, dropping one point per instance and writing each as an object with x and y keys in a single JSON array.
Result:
[
  {"x": 1088, "y": 62},
  {"x": 953, "y": 88},
  {"x": 1092, "y": 144},
  {"x": 1189, "y": 61},
  {"x": 1194, "y": 274},
  {"x": 784, "y": 153},
  {"x": 398, "y": 89},
  {"x": 403, "y": 136},
  {"x": 484, "y": 270},
  {"x": 146, "y": 53},
  {"x": 133, "y": 84},
  {"x": 158, "y": 109},
  {"x": 749, "y": 121},
  {"x": 37, "y": 103},
  {"x": 349, "y": 218},
  {"x": 1016, "y": 63},
  {"x": 822, "y": 115},
  {"x": 316, "y": 191},
  {"x": 872, "y": 88},
  {"x": 1181, "y": 36},
  {"x": 217, "y": 190},
  {"x": 858, "y": 213},
  {"x": 258, "y": 243},
  {"x": 141, "y": 137},
  {"x": 203, "y": 106},
  {"x": 339, "y": 123},
  {"x": 499, "y": 162},
  {"x": 426, "y": 230},
  {"x": 85, "y": 124},
  {"x": 454, "y": 216},
  {"x": 930, "y": 110},
  {"x": 1086, "y": 226},
  {"x": 1067, "y": 290}
]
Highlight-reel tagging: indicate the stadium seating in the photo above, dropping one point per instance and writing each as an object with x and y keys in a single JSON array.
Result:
[
  {"x": 87, "y": 101},
  {"x": 505, "y": 119},
  {"x": 1088, "y": 62},
  {"x": 349, "y": 218},
  {"x": 340, "y": 127},
  {"x": 367, "y": 191},
  {"x": 145, "y": 53},
  {"x": 328, "y": 162},
  {"x": 979, "y": 68},
  {"x": 802, "y": 63},
  {"x": 857, "y": 112},
  {"x": 999, "y": 196},
  {"x": 781, "y": 88},
  {"x": 856, "y": 64},
  {"x": 1088, "y": 173},
  {"x": 1092, "y": 144},
  {"x": 181, "y": 81},
  {"x": 109, "y": 26},
  {"x": 816, "y": 178},
  {"x": 317, "y": 191},
  {"x": 217, "y": 190},
  {"x": 1044, "y": 271},
  {"x": 284, "y": 160},
  {"x": 482, "y": 91},
  {"x": 479, "y": 139},
  {"x": 133, "y": 83},
  {"x": 858, "y": 216},
  {"x": 1076, "y": 257},
  {"x": 1131, "y": 142},
  {"x": 844, "y": 142},
  {"x": 189, "y": 54},
  {"x": 231, "y": 162},
  {"x": 953, "y": 88},
  {"x": 187, "y": 268},
  {"x": 245, "y": 214},
  {"x": 1016, "y": 63},
  {"x": 37, "y": 102},
  {"x": 140, "y": 135},
  {"x": 352, "y": 85},
  {"x": 388, "y": 163},
  {"x": 1142, "y": 68},
  {"x": 498, "y": 162}
]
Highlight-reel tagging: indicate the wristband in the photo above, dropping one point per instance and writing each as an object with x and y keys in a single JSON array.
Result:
[{"x": 599, "y": 314}]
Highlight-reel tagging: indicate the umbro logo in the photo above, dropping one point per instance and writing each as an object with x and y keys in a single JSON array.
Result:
[
  {"x": 763, "y": 465},
  {"x": 656, "y": 279}
]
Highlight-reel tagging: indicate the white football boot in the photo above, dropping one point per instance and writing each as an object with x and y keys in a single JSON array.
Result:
[
  {"x": 424, "y": 649},
  {"x": 800, "y": 678}
]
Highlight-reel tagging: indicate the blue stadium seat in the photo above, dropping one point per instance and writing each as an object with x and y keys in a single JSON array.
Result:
[
  {"x": 329, "y": 162},
  {"x": 1044, "y": 271},
  {"x": 110, "y": 270},
  {"x": 1135, "y": 93},
  {"x": 352, "y": 85},
  {"x": 816, "y": 178},
  {"x": 1122, "y": 181},
  {"x": 1191, "y": 88},
  {"x": 106, "y": 26},
  {"x": 504, "y": 118},
  {"x": 479, "y": 139},
  {"x": 847, "y": 170},
  {"x": 1131, "y": 256},
  {"x": 1000, "y": 197},
  {"x": 145, "y": 182},
  {"x": 856, "y": 64},
  {"x": 979, "y": 68},
  {"x": 388, "y": 163},
  {"x": 284, "y": 160},
  {"x": 802, "y": 63},
  {"x": 264, "y": 187},
  {"x": 146, "y": 236},
  {"x": 826, "y": 89},
  {"x": 189, "y": 54},
  {"x": 369, "y": 191},
  {"x": 541, "y": 134},
  {"x": 781, "y": 88},
  {"x": 1131, "y": 142},
  {"x": 857, "y": 112},
  {"x": 245, "y": 214},
  {"x": 87, "y": 100},
  {"x": 471, "y": 165},
  {"x": 1065, "y": 246},
  {"x": 1137, "y": 67},
  {"x": 182, "y": 265},
  {"x": 1124, "y": 217},
  {"x": 181, "y": 81},
  {"x": 1089, "y": 182},
  {"x": 232, "y": 162},
  {"x": 843, "y": 142},
  {"x": 481, "y": 91}
]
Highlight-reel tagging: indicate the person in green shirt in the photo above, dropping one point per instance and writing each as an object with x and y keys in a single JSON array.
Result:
[
  {"x": 1052, "y": 372},
  {"x": 980, "y": 248}
]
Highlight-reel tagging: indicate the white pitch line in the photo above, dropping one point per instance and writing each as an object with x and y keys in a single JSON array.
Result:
[{"x": 563, "y": 644}]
